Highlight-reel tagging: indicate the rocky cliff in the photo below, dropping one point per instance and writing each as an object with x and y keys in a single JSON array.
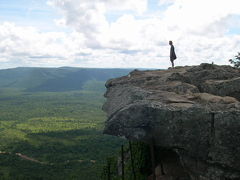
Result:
[{"x": 192, "y": 112}]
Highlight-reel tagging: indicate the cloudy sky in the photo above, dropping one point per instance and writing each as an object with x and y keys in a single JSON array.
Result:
[{"x": 117, "y": 33}]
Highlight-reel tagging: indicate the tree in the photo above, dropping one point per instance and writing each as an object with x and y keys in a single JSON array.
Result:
[{"x": 236, "y": 61}]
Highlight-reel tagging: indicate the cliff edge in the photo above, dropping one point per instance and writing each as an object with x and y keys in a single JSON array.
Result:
[{"x": 193, "y": 111}]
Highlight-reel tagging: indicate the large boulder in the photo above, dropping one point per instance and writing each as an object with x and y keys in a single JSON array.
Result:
[{"x": 193, "y": 111}]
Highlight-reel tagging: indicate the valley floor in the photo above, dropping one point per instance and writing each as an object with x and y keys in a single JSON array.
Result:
[{"x": 53, "y": 135}]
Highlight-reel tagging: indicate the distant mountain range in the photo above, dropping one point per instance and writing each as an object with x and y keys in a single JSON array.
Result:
[{"x": 55, "y": 79}]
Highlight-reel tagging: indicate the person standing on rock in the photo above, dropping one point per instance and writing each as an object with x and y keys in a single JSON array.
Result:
[{"x": 172, "y": 53}]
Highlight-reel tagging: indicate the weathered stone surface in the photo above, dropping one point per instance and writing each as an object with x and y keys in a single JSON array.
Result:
[{"x": 193, "y": 111}]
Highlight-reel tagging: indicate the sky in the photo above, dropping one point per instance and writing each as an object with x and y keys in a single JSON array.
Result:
[{"x": 117, "y": 33}]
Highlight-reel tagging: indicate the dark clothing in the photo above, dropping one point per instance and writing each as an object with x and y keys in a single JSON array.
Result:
[{"x": 172, "y": 54}]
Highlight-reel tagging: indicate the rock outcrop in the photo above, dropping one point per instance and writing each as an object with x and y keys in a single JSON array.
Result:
[{"x": 193, "y": 111}]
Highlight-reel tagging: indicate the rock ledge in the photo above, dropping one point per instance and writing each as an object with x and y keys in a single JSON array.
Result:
[{"x": 193, "y": 111}]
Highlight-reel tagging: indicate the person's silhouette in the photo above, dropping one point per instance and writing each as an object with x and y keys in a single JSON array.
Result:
[{"x": 172, "y": 53}]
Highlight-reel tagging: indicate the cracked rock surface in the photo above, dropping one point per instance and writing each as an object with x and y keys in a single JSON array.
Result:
[{"x": 193, "y": 111}]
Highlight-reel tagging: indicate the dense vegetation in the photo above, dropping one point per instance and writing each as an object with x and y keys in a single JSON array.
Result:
[
  {"x": 55, "y": 79},
  {"x": 48, "y": 133},
  {"x": 137, "y": 163}
]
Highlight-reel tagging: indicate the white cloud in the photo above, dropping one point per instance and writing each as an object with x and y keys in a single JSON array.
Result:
[
  {"x": 138, "y": 6},
  {"x": 137, "y": 38},
  {"x": 27, "y": 46},
  {"x": 88, "y": 17},
  {"x": 197, "y": 15},
  {"x": 165, "y": 2}
]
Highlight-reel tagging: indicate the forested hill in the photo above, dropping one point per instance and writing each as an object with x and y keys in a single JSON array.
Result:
[
  {"x": 56, "y": 79},
  {"x": 51, "y": 123}
]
